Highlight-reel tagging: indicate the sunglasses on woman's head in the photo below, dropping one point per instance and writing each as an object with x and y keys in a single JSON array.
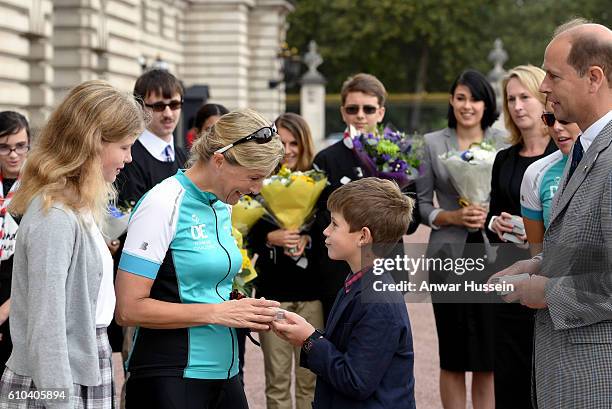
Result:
[
  {"x": 263, "y": 135},
  {"x": 549, "y": 119},
  {"x": 354, "y": 109}
]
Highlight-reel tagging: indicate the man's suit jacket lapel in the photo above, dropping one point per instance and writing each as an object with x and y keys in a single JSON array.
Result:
[
  {"x": 601, "y": 142},
  {"x": 341, "y": 303}
]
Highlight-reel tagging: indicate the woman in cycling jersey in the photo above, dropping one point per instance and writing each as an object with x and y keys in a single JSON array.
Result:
[
  {"x": 177, "y": 267},
  {"x": 541, "y": 179}
]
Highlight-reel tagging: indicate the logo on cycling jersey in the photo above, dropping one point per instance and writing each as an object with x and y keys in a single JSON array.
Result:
[
  {"x": 555, "y": 186},
  {"x": 197, "y": 232}
]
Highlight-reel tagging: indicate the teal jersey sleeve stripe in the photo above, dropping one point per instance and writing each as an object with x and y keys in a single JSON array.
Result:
[
  {"x": 139, "y": 266},
  {"x": 532, "y": 214}
]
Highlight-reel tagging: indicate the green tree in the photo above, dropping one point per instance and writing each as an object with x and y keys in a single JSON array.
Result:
[{"x": 422, "y": 45}]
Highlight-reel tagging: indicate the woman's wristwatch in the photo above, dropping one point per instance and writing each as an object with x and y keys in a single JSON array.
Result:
[{"x": 307, "y": 345}]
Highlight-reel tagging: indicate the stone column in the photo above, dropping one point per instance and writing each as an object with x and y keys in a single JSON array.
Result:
[
  {"x": 216, "y": 49},
  {"x": 312, "y": 96},
  {"x": 25, "y": 56},
  {"x": 105, "y": 39},
  {"x": 75, "y": 36},
  {"x": 39, "y": 59},
  {"x": 160, "y": 35},
  {"x": 267, "y": 27}
]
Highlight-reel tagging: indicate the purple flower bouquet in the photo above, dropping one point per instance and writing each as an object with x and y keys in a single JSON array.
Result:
[{"x": 389, "y": 154}]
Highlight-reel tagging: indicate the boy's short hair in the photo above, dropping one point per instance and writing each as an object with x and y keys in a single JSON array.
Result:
[
  {"x": 377, "y": 204},
  {"x": 366, "y": 83},
  {"x": 157, "y": 81}
]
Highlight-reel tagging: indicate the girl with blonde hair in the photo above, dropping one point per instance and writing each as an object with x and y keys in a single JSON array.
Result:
[
  {"x": 62, "y": 296},
  {"x": 177, "y": 267}
]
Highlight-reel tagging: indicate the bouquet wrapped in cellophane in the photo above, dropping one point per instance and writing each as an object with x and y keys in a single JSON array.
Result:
[
  {"x": 117, "y": 220},
  {"x": 470, "y": 172},
  {"x": 246, "y": 213},
  {"x": 290, "y": 197},
  {"x": 247, "y": 273},
  {"x": 389, "y": 154}
]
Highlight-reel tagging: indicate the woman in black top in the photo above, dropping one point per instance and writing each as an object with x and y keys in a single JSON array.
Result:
[
  {"x": 523, "y": 105},
  {"x": 14, "y": 146},
  {"x": 287, "y": 278}
]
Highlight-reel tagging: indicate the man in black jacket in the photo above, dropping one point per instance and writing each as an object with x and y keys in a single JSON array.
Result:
[
  {"x": 363, "y": 107},
  {"x": 154, "y": 155}
]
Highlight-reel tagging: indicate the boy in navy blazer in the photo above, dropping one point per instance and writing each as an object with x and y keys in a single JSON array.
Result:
[{"x": 364, "y": 358}]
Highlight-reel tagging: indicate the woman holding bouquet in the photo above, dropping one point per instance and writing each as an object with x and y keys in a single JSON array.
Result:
[
  {"x": 177, "y": 268},
  {"x": 287, "y": 277},
  {"x": 14, "y": 147},
  {"x": 62, "y": 296},
  {"x": 523, "y": 105},
  {"x": 465, "y": 331}
]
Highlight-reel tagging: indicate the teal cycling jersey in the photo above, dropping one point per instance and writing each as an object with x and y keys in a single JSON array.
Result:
[
  {"x": 539, "y": 185},
  {"x": 181, "y": 238}
]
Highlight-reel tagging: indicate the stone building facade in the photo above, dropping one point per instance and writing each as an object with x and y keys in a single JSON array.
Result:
[{"x": 47, "y": 47}]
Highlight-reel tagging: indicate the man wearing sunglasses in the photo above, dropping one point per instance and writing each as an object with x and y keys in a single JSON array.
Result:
[
  {"x": 363, "y": 99},
  {"x": 363, "y": 107},
  {"x": 154, "y": 155}
]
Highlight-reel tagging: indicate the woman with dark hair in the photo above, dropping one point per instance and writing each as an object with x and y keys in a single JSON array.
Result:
[
  {"x": 204, "y": 119},
  {"x": 465, "y": 331},
  {"x": 523, "y": 106},
  {"x": 207, "y": 115},
  {"x": 14, "y": 147}
]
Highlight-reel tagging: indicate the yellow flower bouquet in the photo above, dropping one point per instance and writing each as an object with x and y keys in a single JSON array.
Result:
[
  {"x": 247, "y": 271},
  {"x": 290, "y": 197},
  {"x": 246, "y": 213}
]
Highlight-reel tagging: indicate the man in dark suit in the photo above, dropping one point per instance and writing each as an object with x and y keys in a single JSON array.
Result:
[
  {"x": 363, "y": 107},
  {"x": 155, "y": 157},
  {"x": 570, "y": 284}
]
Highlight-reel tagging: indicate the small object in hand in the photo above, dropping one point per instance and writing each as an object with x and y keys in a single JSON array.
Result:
[
  {"x": 511, "y": 279},
  {"x": 236, "y": 295},
  {"x": 280, "y": 315},
  {"x": 518, "y": 227},
  {"x": 511, "y": 237}
]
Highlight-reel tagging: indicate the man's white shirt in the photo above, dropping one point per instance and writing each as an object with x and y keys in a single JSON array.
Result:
[
  {"x": 156, "y": 146},
  {"x": 588, "y": 135}
]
